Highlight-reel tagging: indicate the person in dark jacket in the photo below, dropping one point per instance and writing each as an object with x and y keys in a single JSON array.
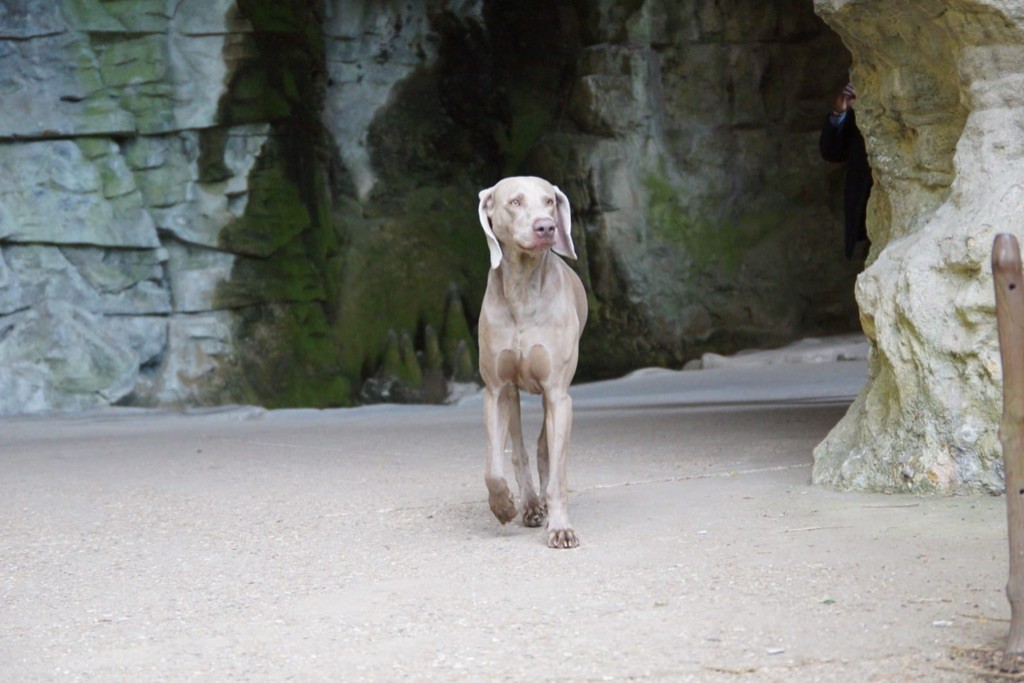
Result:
[{"x": 842, "y": 142}]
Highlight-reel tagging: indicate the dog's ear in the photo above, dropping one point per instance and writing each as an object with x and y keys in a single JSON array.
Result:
[
  {"x": 486, "y": 207},
  {"x": 563, "y": 234}
]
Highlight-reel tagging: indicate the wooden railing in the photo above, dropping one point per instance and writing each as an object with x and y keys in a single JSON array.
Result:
[{"x": 1009, "y": 285}]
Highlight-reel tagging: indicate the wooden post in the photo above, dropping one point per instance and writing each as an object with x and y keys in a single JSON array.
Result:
[{"x": 1009, "y": 284}]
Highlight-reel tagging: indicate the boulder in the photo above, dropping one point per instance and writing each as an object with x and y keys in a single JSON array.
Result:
[{"x": 939, "y": 87}]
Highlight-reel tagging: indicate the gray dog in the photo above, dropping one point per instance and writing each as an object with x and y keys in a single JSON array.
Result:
[{"x": 533, "y": 313}]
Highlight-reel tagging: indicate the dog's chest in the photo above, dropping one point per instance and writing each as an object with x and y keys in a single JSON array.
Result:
[
  {"x": 525, "y": 362},
  {"x": 527, "y": 333}
]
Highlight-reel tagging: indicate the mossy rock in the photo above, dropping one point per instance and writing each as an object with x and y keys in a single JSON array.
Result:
[
  {"x": 412, "y": 373},
  {"x": 391, "y": 359},
  {"x": 275, "y": 213},
  {"x": 433, "y": 359},
  {"x": 212, "y": 144},
  {"x": 286, "y": 276},
  {"x": 285, "y": 79},
  {"x": 399, "y": 360},
  {"x": 721, "y": 244},
  {"x": 137, "y": 70},
  {"x": 290, "y": 356},
  {"x": 253, "y": 99},
  {"x": 456, "y": 339},
  {"x": 291, "y": 343},
  {"x": 464, "y": 364},
  {"x": 397, "y": 271}
]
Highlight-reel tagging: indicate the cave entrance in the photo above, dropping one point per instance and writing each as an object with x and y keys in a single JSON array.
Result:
[{"x": 687, "y": 137}]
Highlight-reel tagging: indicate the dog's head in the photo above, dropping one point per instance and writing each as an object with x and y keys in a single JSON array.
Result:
[{"x": 527, "y": 214}]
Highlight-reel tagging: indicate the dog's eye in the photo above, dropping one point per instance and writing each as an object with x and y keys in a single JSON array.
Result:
[
  {"x": 514, "y": 202},
  {"x": 550, "y": 202}
]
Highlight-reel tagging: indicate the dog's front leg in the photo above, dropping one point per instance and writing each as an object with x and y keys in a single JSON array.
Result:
[
  {"x": 543, "y": 463},
  {"x": 558, "y": 425},
  {"x": 496, "y": 416},
  {"x": 532, "y": 506}
]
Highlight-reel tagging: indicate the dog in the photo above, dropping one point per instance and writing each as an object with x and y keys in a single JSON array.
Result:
[{"x": 533, "y": 313}]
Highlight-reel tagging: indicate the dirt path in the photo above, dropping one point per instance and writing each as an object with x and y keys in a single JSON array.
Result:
[{"x": 357, "y": 545}]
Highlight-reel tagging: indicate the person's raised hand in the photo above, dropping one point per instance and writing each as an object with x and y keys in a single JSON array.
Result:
[{"x": 844, "y": 100}]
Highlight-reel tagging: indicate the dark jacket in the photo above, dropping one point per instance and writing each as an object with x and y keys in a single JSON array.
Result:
[{"x": 845, "y": 144}]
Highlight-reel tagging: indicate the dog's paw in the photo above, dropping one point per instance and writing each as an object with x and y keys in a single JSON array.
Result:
[
  {"x": 503, "y": 505},
  {"x": 562, "y": 538},
  {"x": 534, "y": 513}
]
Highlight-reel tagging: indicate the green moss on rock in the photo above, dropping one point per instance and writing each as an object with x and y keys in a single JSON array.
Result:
[
  {"x": 456, "y": 339},
  {"x": 212, "y": 144},
  {"x": 465, "y": 363},
  {"x": 391, "y": 359},
  {"x": 136, "y": 68},
  {"x": 390, "y": 274},
  {"x": 253, "y": 99},
  {"x": 721, "y": 244},
  {"x": 433, "y": 359},
  {"x": 412, "y": 373},
  {"x": 531, "y": 118},
  {"x": 291, "y": 345},
  {"x": 275, "y": 214},
  {"x": 288, "y": 275},
  {"x": 290, "y": 356}
]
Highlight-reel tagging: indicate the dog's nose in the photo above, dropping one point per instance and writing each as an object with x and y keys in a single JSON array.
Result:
[{"x": 544, "y": 227}]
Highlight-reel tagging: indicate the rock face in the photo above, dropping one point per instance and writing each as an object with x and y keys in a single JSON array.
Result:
[
  {"x": 940, "y": 85},
  {"x": 152, "y": 195},
  {"x": 685, "y": 137},
  {"x": 273, "y": 201},
  {"x": 693, "y": 161}
]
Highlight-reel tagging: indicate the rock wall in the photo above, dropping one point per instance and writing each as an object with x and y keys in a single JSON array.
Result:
[
  {"x": 685, "y": 136},
  {"x": 410, "y": 109},
  {"x": 161, "y": 211},
  {"x": 273, "y": 201},
  {"x": 940, "y": 87},
  {"x": 101, "y": 197},
  {"x": 710, "y": 221}
]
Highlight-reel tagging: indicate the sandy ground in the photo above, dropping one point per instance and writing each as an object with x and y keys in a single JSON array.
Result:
[{"x": 357, "y": 545}]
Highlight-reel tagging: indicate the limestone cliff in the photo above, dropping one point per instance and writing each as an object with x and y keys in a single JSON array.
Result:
[
  {"x": 684, "y": 134},
  {"x": 940, "y": 84},
  {"x": 693, "y": 161},
  {"x": 273, "y": 201}
]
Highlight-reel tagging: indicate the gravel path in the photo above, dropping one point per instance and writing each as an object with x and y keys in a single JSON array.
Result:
[{"x": 356, "y": 545}]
